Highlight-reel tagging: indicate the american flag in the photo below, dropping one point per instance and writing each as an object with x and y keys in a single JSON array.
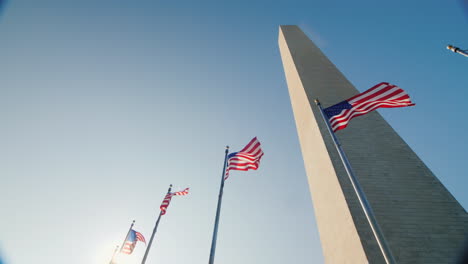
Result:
[
  {"x": 383, "y": 95},
  {"x": 167, "y": 200},
  {"x": 131, "y": 241},
  {"x": 246, "y": 159}
]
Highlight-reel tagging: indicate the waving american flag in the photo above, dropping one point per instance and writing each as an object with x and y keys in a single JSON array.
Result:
[
  {"x": 167, "y": 200},
  {"x": 381, "y": 95},
  {"x": 131, "y": 240},
  {"x": 246, "y": 159}
]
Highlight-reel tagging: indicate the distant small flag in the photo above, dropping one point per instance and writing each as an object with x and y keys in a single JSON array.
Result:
[
  {"x": 167, "y": 200},
  {"x": 383, "y": 95},
  {"x": 246, "y": 159},
  {"x": 131, "y": 240}
]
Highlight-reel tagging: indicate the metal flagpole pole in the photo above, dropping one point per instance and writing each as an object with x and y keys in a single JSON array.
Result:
[
  {"x": 113, "y": 255},
  {"x": 154, "y": 232},
  {"x": 218, "y": 210},
  {"x": 379, "y": 236}
]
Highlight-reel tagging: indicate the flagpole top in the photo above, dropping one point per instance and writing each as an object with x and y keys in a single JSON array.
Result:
[
  {"x": 227, "y": 147},
  {"x": 170, "y": 185},
  {"x": 317, "y": 102}
]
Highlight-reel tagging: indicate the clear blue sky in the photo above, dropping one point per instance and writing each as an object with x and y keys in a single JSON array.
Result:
[{"x": 103, "y": 104}]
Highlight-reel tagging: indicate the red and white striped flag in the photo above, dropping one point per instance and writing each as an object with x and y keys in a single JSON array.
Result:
[
  {"x": 131, "y": 240},
  {"x": 383, "y": 95},
  {"x": 246, "y": 159},
  {"x": 140, "y": 237},
  {"x": 167, "y": 200}
]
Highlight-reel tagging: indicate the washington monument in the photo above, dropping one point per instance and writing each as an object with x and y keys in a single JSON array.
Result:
[{"x": 422, "y": 222}]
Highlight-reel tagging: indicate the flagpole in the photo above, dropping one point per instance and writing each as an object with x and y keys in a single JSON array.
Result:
[
  {"x": 218, "y": 210},
  {"x": 378, "y": 234},
  {"x": 458, "y": 50},
  {"x": 154, "y": 232},
  {"x": 113, "y": 255}
]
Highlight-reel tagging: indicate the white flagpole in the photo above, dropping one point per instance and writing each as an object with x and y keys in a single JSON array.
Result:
[
  {"x": 458, "y": 50},
  {"x": 378, "y": 234},
  {"x": 113, "y": 255}
]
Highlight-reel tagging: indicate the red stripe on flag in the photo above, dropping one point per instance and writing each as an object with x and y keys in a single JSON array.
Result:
[
  {"x": 167, "y": 199},
  {"x": 248, "y": 158},
  {"x": 382, "y": 95}
]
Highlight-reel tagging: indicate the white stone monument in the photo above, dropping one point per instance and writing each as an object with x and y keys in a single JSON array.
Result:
[{"x": 422, "y": 222}]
